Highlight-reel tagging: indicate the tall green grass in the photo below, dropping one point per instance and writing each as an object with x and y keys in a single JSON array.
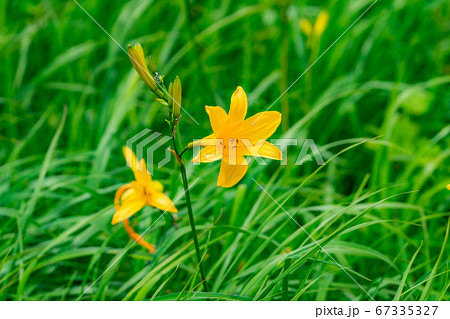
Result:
[{"x": 70, "y": 99}]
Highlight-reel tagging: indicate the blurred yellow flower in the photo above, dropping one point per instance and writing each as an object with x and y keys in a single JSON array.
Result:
[
  {"x": 234, "y": 137},
  {"x": 132, "y": 197},
  {"x": 448, "y": 187},
  {"x": 319, "y": 25},
  {"x": 306, "y": 27}
]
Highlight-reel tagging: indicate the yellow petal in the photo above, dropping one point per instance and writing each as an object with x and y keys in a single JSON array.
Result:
[
  {"x": 142, "y": 175},
  {"x": 306, "y": 27},
  {"x": 260, "y": 126},
  {"x": 137, "y": 238},
  {"x": 138, "y": 190},
  {"x": 321, "y": 23},
  {"x": 217, "y": 117},
  {"x": 203, "y": 142},
  {"x": 157, "y": 186},
  {"x": 130, "y": 157},
  {"x": 161, "y": 201},
  {"x": 238, "y": 107},
  {"x": 121, "y": 192},
  {"x": 138, "y": 167},
  {"x": 207, "y": 155},
  {"x": 132, "y": 160},
  {"x": 230, "y": 174},
  {"x": 127, "y": 209},
  {"x": 129, "y": 193},
  {"x": 263, "y": 149}
]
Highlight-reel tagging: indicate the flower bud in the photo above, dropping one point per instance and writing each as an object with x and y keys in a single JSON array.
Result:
[
  {"x": 152, "y": 64},
  {"x": 321, "y": 23},
  {"x": 169, "y": 99},
  {"x": 306, "y": 27},
  {"x": 137, "y": 58},
  {"x": 176, "y": 94}
]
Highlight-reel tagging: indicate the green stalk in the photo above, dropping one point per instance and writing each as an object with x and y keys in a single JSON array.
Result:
[
  {"x": 191, "y": 214},
  {"x": 284, "y": 52},
  {"x": 287, "y": 264}
]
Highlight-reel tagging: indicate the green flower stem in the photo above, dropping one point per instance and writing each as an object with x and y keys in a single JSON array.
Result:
[{"x": 191, "y": 214}]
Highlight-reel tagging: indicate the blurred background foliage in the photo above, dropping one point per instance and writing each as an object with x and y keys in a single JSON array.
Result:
[{"x": 69, "y": 100}]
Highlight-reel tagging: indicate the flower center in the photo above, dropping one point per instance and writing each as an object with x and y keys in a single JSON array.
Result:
[
  {"x": 146, "y": 194},
  {"x": 228, "y": 148}
]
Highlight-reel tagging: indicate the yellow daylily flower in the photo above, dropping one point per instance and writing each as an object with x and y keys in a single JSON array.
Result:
[
  {"x": 132, "y": 197},
  {"x": 235, "y": 137}
]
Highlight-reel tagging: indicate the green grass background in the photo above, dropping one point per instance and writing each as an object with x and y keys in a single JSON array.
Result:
[{"x": 70, "y": 99}]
